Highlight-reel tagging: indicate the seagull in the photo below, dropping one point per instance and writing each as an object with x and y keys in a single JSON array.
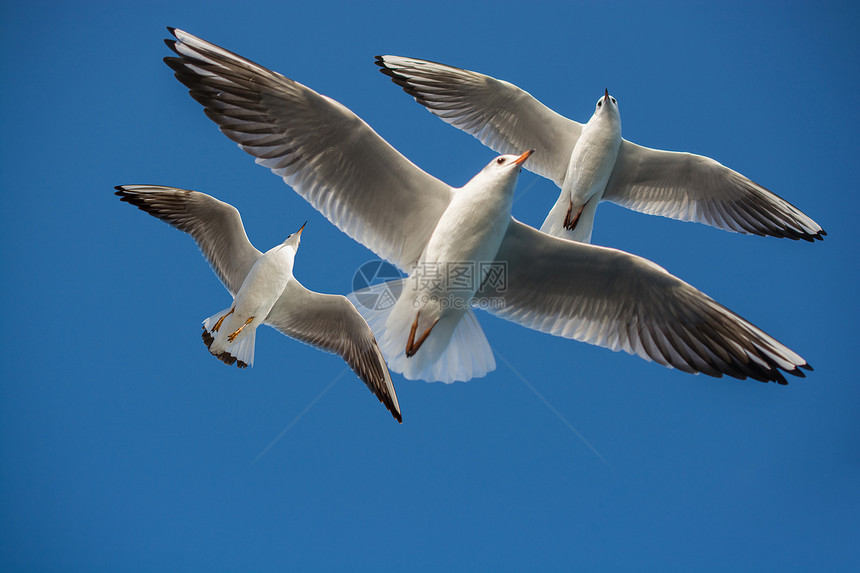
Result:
[
  {"x": 438, "y": 235},
  {"x": 264, "y": 289},
  {"x": 592, "y": 163}
]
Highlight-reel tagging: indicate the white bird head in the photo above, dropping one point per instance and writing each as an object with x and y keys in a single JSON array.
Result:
[
  {"x": 296, "y": 238},
  {"x": 505, "y": 166},
  {"x": 606, "y": 103},
  {"x": 502, "y": 172}
]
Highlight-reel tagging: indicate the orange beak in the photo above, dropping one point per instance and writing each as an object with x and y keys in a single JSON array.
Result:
[
  {"x": 523, "y": 157},
  {"x": 302, "y": 229},
  {"x": 605, "y": 94}
]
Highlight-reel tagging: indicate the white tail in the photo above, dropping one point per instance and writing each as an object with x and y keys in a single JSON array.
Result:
[
  {"x": 239, "y": 352},
  {"x": 456, "y": 351},
  {"x": 554, "y": 222}
]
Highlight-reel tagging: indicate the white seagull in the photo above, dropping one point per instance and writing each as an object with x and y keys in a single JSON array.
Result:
[
  {"x": 592, "y": 163},
  {"x": 438, "y": 234},
  {"x": 264, "y": 289}
]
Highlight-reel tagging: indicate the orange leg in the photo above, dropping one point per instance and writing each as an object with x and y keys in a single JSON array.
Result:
[
  {"x": 217, "y": 326},
  {"x": 233, "y": 336},
  {"x": 570, "y": 224},
  {"x": 411, "y": 345}
]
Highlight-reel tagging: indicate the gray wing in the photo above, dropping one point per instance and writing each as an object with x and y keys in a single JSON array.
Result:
[
  {"x": 319, "y": 147},
  {"x": 331, "y": 323},
  {"x": 214, "y": 225},
  {"x": 623, "y": 302},
  {"x": 691, "y": 187},
  {"x": 501, "y": 115}
]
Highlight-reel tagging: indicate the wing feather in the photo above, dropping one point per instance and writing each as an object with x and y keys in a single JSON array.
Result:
[
  {"x": 215, "y": 226},
  {"x": 319, "y": 147},
  {"x": 331, "y": 323},
  {"x": 498, "y": 113},
  {"x": 620, "y": 301},
  {"x": 691, "y": 187}
]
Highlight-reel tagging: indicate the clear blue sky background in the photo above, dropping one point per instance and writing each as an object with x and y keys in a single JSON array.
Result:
[{"x": 124, "y": 446}]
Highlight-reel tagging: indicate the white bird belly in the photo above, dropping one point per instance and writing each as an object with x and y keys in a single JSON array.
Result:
[
  {"x": 259, "y": 292},
  {"x": 452, "y": 267},
  {"x": 463, "y": 246},
  {"x": 591, "y": 164}
]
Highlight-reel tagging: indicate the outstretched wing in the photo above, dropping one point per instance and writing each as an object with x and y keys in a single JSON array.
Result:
[
  {"x": 215, "y": 226},
  {"x": 620, "y": 301},
  {"x": 691, "y": 187},
  {"x": 331, "y": 323},
  {"x": 319, "y": 147},
  {"x": 501, "y": 115}
]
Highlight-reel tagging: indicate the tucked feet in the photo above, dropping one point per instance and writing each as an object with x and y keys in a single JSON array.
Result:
[
  {"x": 233, "y": 336},
  {"x": 411, "y": 345},
  {"x": 220, "y": 320},
  {"x": 570, "y": 224}
]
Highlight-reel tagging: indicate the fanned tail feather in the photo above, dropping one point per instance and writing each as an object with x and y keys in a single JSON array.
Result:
[
  {"x": 240, "y": 352},
  {"x": 456, "y": 351}
]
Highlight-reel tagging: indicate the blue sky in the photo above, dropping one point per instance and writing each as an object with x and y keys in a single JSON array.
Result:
[{"x": 125, "y": 446}]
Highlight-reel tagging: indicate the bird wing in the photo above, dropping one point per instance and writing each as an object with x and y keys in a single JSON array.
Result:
[
  {"x": 501, "y": 115},
  {"x": 620, "y": 301},
  {"x": 319, "y": 147},
  {"x": 215, "y": 226},
  {"x": 691, "y": 187},
  {"x": 331, "y": 323}
]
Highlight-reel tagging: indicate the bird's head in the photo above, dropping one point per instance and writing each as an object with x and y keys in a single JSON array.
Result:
[
  {"x": 501, "y": 173},
  {"x": 506, "y": 166},
  {"x": 606, "y": 104},
  {"x": 295, "y": 239},
  {"x": 498, "y": 179}
]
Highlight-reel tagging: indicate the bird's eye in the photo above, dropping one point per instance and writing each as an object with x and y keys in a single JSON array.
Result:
[
  {"x": 599, "y": 103},
  {"x": 500, "y": 160},
  {"x": 613, "y": 99}
]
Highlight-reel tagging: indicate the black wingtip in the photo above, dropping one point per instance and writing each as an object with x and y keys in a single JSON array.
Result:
[
  {"x": 777, "y": 377},
  {"x": 812, "y": 237},
  {"x": 173, "y": 62},
  {"x": 384, "y": 69},
  {"x": 172, "y": 30},
  {"x": 389, "y": 405},
  {"x": 125, "y": 195}
]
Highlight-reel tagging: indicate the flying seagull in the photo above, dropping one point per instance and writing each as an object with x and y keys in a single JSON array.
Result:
[
  {"x": 264, "y": 289},
  {"x": 429, "y": 229},
  {"x": 592, "y": 163}
]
